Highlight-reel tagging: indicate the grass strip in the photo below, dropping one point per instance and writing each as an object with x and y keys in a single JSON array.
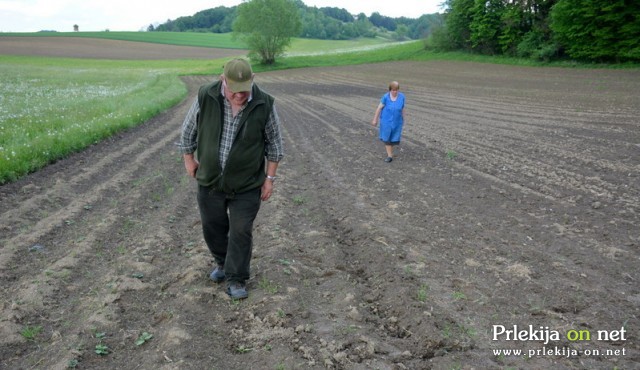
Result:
[{"x": 48, "y": 112}]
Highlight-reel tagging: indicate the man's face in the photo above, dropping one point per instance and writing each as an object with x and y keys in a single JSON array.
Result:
[{"x": 235, "y": 97}]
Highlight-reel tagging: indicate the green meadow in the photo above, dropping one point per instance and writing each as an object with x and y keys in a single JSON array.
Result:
[
  {"x": 51, "y": 107},
  {"x": 49, "y": 110}
]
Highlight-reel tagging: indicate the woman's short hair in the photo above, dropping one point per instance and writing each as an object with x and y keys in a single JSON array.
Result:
[{"x": 394, "y": 84}]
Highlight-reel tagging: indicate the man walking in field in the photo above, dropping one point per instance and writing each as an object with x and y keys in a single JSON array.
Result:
[{"x": 231, "y": 144}]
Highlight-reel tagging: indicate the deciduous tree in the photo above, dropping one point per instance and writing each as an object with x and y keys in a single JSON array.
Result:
[
  {"x": 606, "y": 30},
  {"x": 267, "y": 26}
]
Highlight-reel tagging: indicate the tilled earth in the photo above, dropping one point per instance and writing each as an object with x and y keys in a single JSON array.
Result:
[
  {"x": 93, "y": 48},
  {"x": 514, "y": 200}
]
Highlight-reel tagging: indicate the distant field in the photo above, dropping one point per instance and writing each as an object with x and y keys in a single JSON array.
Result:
[
  {"x": 207, "y": 40},
  {"x": 298, "y": 46},
  {"x": 93, "y": 48}
]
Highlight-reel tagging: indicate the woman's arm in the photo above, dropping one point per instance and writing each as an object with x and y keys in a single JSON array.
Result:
[{"x": 376, "y": 116}]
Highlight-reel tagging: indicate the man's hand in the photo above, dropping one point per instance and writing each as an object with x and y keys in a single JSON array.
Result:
[
  {"x": 267, "y": 187},
  {"x": 190, "y": 164},
  {"x": 266, "y": 190}
]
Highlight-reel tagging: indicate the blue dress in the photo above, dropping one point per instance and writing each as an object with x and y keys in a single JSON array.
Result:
[{"x": 391, "y": 119}]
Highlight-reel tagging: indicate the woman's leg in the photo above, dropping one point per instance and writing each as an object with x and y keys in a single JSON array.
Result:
[{"x": 389, "y": 149}]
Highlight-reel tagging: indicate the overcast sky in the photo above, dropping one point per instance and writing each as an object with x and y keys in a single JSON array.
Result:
[{"x": 134, "y": 15}]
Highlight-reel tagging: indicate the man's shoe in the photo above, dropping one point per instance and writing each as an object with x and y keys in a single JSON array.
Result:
[
  {"x": 217, "y": 275},
  {"x": 237, "y": 290},
  {"x": 388, "y": 159}
]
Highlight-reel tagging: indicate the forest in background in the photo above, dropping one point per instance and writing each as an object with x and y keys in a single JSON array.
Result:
[
  {"x": 584, "y": 30},
  {"x": 326, "y": 23}
]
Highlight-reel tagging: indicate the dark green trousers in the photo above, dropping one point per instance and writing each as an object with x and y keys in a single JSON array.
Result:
[{"x": 227, "y": 226}]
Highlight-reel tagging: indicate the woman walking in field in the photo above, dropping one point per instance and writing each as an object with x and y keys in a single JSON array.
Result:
[{"x": 390, "y": 114}]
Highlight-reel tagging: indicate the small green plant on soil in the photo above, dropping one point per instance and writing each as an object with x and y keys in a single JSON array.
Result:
[
  {"x": 422, "y": 293},
  {"x": 285, "y": 262},
  {"x": 268, "y": 286},
  {"x": 64, "y": 274},
  {"x": 102, "y": 349},
  {"x": 72, "y": 364},
  {"x": 467, "y": 330},
  {"x": 143, "y": 338},
  {"x": 459, "y": 331},
  {"x": 31, "y": 332},
  {"x": 99, "y": 335},
  {"x": 446, "y": 332},
  {"x": 298, "y": 200},
  {"x": 451, "y": 154},
  {"x": 242, "y": 349},
  {"x": 347, "y": 329},
  {"x": 408, "y": 270},
  {"x": 128, "y": 225}
]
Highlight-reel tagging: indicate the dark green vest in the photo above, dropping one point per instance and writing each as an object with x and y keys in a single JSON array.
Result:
[{"x": 245, "y": 167}]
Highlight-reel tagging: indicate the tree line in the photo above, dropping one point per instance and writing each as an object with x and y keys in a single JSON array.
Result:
[
  {"x": 325, "y": 23},
  {"x": 587, "y": 30}
]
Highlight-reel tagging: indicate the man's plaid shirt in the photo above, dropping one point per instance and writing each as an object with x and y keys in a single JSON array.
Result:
[{"x": 188, "y": 141}]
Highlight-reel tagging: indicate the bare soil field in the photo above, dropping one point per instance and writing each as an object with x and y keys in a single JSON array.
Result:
[
  {"x": 514, "y": 200},
  {"x": 83, "y": 47}
]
